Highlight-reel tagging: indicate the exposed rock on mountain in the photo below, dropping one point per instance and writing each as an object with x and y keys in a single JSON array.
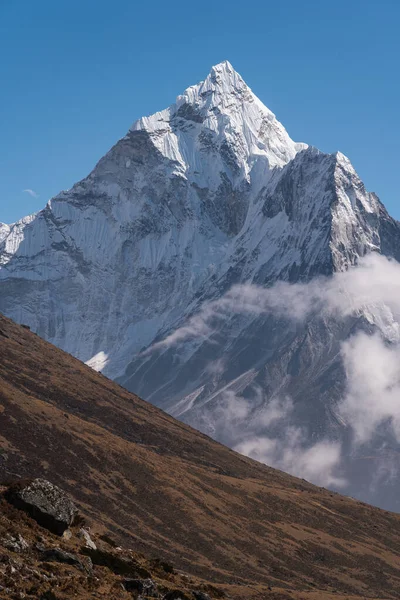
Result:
[{"x": 45, "y": 502}]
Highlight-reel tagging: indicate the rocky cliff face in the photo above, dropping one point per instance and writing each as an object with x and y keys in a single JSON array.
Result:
[{"x": 206, "y": 194}]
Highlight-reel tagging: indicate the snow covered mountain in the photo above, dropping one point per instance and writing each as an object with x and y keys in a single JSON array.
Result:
[{"x": 207, "y": 194}]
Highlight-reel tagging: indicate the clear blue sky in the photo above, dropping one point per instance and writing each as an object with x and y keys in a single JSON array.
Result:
[{"x": 76, "y": 73}]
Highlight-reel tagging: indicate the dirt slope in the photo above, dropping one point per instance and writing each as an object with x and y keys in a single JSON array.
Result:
[{"x": 168, "y": 491}]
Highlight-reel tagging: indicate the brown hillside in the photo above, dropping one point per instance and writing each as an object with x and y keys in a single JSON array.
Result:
[{"x": 168, "y": 491}]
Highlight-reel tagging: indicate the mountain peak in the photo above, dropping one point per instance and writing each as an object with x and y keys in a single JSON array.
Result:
[
  {"x": 224, "y": 77},
  {"x": 224, "y": 65},
  {"x": 223, "y": 111},
  {"x": 222, "y": 81}
]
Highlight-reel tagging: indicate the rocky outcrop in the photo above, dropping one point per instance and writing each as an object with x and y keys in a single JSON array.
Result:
[
  {"x": 144, "y": 587},
  {"x": 176, "y": 595},
  {"x": 60, "y": 567},
  {"x": 15, "y": 543},
  {"x": 50, "y": 506},
  {"x": 199, "y": 595},
  {"x": 61, "y": 556},
  {"x": 85, "y": 536}
]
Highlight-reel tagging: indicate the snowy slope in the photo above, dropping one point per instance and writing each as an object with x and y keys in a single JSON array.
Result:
[
  {"x": 206, "y": 194},
  {"x": 122, "y": 254}
]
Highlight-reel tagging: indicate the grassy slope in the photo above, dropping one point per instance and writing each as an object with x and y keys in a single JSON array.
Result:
[{"x": 169, "y": 491}]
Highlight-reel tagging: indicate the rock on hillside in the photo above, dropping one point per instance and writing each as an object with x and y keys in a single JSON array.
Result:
[
  {"x": 37, "y": 564},
  {"x": 45, "y": 502}
]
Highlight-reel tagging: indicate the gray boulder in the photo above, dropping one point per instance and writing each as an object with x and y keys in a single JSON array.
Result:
[
  {"x": 175, "y": 595},
  {"x": 58, "y": 555},
  {"x": 89, "y": 543},
  {"x": 61, "y": 556},
  {"x": 15, "y": 543},
  {"x": 144, "y": 587},
  {"x": 45, "y": 502}
]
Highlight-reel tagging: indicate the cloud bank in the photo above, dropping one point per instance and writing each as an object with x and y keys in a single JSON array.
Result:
[
  {"x": 372, "y": 288},
  {"x": 371, "y": 405},
  {"x": 372, "y": 400},
  {"x": 271, "y": 437}
]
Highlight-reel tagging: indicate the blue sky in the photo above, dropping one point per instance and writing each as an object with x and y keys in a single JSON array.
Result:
[{"x": 75, "y": 75}]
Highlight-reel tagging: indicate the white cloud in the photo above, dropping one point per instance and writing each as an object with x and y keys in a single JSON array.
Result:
[
  {"x": 371, "y": 288},
  {"x": 233, "y": 410},
  {"x": 31, "y": 193},
  {"x": 318, "y": 462},
  {"x": 270, "y": 437},
  {"x": 373, "y": 386},
  {"x": 371, "y": 362},
  {"x": 217, "y": 367}
]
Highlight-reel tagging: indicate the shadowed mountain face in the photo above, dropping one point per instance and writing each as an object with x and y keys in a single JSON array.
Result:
[
  {"x": 206, "y": 195},
  {"x": 170, "y": 491}
]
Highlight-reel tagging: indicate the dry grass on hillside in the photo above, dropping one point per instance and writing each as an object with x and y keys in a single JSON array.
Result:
[{"x": 167, "y": 491}]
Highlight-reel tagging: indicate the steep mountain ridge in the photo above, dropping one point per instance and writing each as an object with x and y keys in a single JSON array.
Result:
[{"x": 206, "y": 194}]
